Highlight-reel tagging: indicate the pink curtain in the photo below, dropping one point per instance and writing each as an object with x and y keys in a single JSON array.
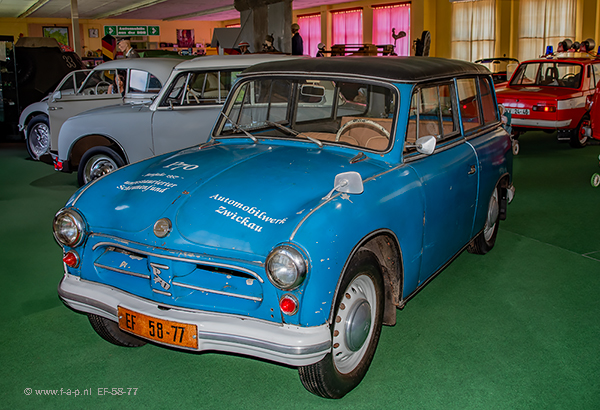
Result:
[
  {"x": 310, "y": 30},
  {"x": 347, "y": 26},
  {"x": 390, "y": 16}
]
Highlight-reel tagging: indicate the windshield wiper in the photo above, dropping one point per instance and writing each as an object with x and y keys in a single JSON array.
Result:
[
  {"x": 237, "y": 128},
  {"x": 294, "y": 132}
]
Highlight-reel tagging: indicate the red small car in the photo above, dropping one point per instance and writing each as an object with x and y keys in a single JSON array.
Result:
[{"x": 552, "y": 94}]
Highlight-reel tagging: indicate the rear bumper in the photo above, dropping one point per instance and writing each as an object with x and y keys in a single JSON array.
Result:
[
  {"x": 58, "y": 164},
  {"x": 523, "y": 122},
  {"x": 281, "y": 343}
]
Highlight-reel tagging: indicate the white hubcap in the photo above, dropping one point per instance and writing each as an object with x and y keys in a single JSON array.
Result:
[{"x": 353, "y": 324}]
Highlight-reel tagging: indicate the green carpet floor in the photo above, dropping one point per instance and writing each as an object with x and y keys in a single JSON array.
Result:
[{"x": 518, "y": 328}]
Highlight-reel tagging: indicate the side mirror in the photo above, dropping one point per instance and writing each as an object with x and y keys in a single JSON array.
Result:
[
  {"x": 56, "y": 96},
  {"x": 347, "y": 182},
  {"x": 425, "y": 145}
]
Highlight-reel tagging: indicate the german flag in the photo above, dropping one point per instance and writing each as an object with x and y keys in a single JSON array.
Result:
[{"x": 109, "y": 44}]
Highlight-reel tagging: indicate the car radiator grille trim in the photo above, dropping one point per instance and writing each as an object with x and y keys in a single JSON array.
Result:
[{"x": 179, "y": 259}]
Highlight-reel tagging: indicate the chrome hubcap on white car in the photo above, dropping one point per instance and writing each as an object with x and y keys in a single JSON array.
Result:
[
  {"x": 98, "y": 166},
  {"x": 39, "y": 138}
]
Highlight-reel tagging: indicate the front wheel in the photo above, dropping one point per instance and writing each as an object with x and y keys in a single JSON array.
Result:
[
  {"x": 38, "y": 136},
  {"x": 484, "y": 242},
  {"x": 96, "y": 162},
  {"x": 596, "y": 180},
  {"x": 109, "y": 331},
  {"x": 355, "y": 331}
]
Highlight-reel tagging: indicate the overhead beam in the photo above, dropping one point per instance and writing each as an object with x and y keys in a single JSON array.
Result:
[
  {"x": 33, "y": 8},
  {"x": 128, "y": 9},
  {"x": 201, "y": 13}
]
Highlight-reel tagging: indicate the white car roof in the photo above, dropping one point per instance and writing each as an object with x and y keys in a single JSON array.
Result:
[
  {"x": 159, "y": 67},
  {"x": 231, "y": 61},
  {"x": 216, "y": 62}
]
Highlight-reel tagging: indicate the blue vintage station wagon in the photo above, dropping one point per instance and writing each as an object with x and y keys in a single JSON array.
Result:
[{"x": 330, "y": 192}]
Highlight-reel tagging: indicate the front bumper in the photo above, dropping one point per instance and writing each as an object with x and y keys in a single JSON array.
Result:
[{"x": 281, "y": 343}]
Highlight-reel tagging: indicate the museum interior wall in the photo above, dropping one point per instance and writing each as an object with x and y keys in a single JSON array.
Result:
[{"x": 431, "y": 15}]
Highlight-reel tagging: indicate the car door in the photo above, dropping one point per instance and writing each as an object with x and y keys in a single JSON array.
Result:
[
  {"x": 189, "y": 109},
  {"x": 448, "y": 177},
  {"x": 95, "y": 92}
]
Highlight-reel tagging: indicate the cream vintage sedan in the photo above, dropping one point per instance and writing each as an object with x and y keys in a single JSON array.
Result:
[
  {"x": 98, "y": 141},
  {"x": 82, "y": 90}
]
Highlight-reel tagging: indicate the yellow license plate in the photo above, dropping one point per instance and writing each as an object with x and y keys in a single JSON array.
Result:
[{"x": 164, "y": 331}]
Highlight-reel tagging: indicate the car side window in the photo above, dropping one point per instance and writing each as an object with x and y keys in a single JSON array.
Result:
[
  {"x": 99, "y": 82},
  {"x": 143, "y": 82},
  {"x": 431, "y": 113},
  {"x": 69, "y": 86},
  {"x": 209, "y": 87},
  {"x": 591, "y": 76},
  {"x": 596, "y": 73},
  {"x": 175, "y": 93},
  {"x": 469, "y": 103},
  {"x": 490, "y": 114}
]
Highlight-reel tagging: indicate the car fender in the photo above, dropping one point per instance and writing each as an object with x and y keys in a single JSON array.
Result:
[
  {"x": 37, "y": 108},
  {"x": 336, "y": 229},
  {"x": 129, "y": 130}
]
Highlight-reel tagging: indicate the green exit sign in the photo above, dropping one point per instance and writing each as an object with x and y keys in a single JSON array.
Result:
[
  {"x": 131, "y": 30},
  {"x": 110, "y": 30}
]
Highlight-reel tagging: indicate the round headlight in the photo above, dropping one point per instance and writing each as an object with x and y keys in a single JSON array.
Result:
[
  {"x": 286, "y": 267},
  {"x": 68, "y": 227}
]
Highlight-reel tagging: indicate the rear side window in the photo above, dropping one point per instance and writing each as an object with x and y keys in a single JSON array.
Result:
[
  {"x": 469, "y": 104},
  {"x": 209, "y": 87},
  {"x": 490, "y": 113}
]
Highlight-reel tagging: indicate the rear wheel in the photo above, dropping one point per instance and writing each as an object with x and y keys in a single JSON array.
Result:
[
  {"x": 515, "y": 147},
  {"x": 578, "y": 135},
  {"x": 38, "y": 136},
  {"x": 96, "y": 162},
  {"x": 484, "y": 242},
  {"x": 109, "y": 331},
  {"x": 355, "y": 331},
  {"x": 596, "y": 180}
]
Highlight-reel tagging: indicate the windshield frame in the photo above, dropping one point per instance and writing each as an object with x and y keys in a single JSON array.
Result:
[
  {"x": 541, "y": 79},
  {"x": 265, "y": 131}
]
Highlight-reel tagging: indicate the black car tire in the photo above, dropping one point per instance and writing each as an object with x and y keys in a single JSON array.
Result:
[
  {"x": 578, "y": 140},
  {"x": 109, "y": 331},
  {"x": 355, "y": 331},
  {"x": 485, "y": 240},
  {"x": 38, "y": 136},
  {"x": 97, "y": 162}
]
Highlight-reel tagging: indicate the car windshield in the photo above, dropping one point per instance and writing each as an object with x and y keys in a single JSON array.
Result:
[
  {"x": 551, "y": 73},
  {"x": 351, "y": 113}
]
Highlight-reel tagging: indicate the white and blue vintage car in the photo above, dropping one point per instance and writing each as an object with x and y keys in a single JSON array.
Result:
[{"x": 331, "y": 191}]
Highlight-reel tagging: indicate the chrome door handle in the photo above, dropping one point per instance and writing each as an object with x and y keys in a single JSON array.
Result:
[
  {"x": 54, "y": 108},
  {"x": 473, "y": 170}
]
